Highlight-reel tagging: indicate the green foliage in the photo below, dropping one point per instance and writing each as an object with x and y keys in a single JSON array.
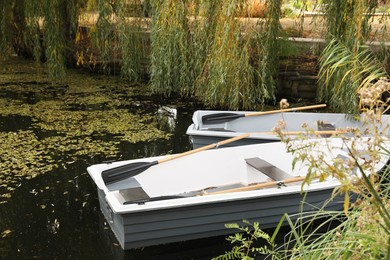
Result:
[
  {"x": 227, "y": 76},
  {"x": 346, "y": 62},
  {"x": 267, "y": 64},
  {"x": 33, "y": 12},
  {"x": 362, "y": 230},
  {"x": 344, "y": 72},
  {"x": 212, "y": 56},
  {"x": 170, "y": 70},
  {"x": 132, "y": 42},
  {"x": 85, "y": 118},
  {"x": 103, "y": 34},
  {"x": 54, "y": 38},
  {"x": 244, "y": 242},
  {"x": 5, "y": 28}
]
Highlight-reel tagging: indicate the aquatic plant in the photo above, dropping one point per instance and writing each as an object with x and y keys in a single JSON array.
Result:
[
  {"x": 66, "y": 122},
  {"x": 243, "y": 244}
]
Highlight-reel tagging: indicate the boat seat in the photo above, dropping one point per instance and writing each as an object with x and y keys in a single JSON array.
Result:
[
  {"x": 268, "y": 169},
  {"x": 324, "y": 126}
]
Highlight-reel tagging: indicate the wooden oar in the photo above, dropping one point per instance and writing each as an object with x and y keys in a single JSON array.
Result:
[
  {"x": 225, "y": 117},
  {"x": 130, "y": 170},
  {"x": 322, "y": 132},
  {"x": 259, "y": 186}
]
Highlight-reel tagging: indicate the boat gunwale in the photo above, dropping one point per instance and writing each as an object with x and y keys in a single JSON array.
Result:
[{"x": 118, "y": 208}]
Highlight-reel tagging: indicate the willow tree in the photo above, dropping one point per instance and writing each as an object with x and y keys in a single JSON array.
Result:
[
  {"x": 44, "y": 29},
  {"x": 132, "y": 40},
  {"x": 203, "y": 47},
  {"x": 347, "y": 64},
  {"x": 227, "y": 77},
  {"x": 170, "y": 68},
  {"x": 5, "y": 27},
  {"x": 267, "y": 51},
  {"x": 13, "y": 28}
]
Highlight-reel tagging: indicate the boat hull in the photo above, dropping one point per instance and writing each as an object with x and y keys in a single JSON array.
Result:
[
  {"x": 203, "y": 195},
  {"x": 147, "y": 228},
  {"x": 203, "y": 134}
]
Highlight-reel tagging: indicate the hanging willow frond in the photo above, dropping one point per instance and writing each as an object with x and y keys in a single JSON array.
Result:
[
  {"x": 5, "y": 28},
  {"x": 171, "y": 69},
  {"x": 227, "y": 78},
  {"x": 132, "y": 41},
  {"x": 344, "y": 72}
]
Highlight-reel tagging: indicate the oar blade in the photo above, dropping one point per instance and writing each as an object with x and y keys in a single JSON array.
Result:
[
  {"x": 220, "y": 118},
  {"x": 126, "y": 171}
]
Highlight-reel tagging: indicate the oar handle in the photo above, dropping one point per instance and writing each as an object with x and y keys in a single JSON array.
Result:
[
  {"x": 286, "y": 110},
  {"x": 207, "y": 147},
  {"x": 258, "y": 186}
]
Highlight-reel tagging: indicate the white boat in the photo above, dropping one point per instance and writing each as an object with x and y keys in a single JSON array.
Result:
[
  {"x": 203, "y": 132},
  {"x": 194, "y": 196}
]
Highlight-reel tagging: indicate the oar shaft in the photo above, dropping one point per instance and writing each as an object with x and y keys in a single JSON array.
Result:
[
  {"x": 204, "y": 148},
  {"x": 231, "y": 140},
  {"x": 258, "y": 186},
  {"x": 286, "y": 110},
  {"x": 325, "y": 132}
]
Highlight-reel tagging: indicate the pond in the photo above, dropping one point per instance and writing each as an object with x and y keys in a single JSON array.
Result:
[{"x": 51, "y": 132}]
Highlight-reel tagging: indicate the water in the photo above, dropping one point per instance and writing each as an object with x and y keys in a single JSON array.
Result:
[{"x": 56, "y": 215}]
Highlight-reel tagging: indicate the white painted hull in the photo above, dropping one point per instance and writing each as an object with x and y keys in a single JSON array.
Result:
[
  {"x": 204, "y": 134},
  {"x": 172, "y": 220}
]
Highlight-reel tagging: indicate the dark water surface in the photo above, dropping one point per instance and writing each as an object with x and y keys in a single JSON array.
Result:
[{"x": 56, "y": 215}]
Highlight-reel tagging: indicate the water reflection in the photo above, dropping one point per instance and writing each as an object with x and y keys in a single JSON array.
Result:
[
  {"x": 166, "y": 118},
  {"x": 56, "y": 215}
]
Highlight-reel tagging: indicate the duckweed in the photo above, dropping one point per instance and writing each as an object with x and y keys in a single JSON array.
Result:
[{"x": 71, "y": 120}]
